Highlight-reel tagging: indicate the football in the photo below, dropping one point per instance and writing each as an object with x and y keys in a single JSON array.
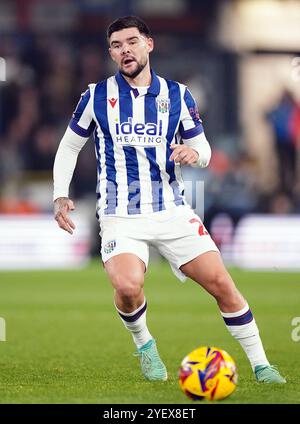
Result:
[{"x": 208, "y": 373}]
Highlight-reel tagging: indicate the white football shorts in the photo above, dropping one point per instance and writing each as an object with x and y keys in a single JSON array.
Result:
[{"x": 177, "y": 233}]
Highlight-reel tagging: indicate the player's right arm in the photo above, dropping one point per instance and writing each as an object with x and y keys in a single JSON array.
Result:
[
  {"x": 75, "y": 137},
  {"x": 62, "y": 206},
  {"x": 64, "y": 165}
]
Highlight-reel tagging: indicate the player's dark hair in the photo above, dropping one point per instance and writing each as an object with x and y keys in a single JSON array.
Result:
[{"x": 128, "y": 22}]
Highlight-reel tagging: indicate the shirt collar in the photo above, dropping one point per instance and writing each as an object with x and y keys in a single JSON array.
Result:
[{"x": 126, "y": 88}]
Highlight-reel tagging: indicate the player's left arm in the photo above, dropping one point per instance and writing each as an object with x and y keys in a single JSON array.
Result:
[{"x": 195, "y": 150}]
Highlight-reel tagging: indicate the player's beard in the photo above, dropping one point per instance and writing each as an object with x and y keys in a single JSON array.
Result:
[{"x": 133, "y": 74}]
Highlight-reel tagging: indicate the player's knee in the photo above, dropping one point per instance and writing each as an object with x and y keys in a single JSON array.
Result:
[
  {"x": 129, "y": 292},
  {"x": 128, "y": 286}
]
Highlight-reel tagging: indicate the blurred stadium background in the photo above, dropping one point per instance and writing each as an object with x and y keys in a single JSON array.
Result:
[{"x": 241, "y": 60}]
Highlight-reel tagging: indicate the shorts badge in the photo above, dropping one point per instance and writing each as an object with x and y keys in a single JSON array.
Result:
[{"x": 109, "y": 246}]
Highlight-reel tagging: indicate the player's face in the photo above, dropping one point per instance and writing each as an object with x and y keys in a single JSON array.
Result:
[{"x": 130, "y": 50}]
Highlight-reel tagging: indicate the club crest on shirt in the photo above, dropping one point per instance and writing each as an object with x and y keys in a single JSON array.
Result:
[
  {"x": 163, "y": 105},
  {"x": 109, "y": 246}
]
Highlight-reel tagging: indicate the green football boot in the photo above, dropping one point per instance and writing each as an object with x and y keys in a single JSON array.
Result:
[
  {"x": 268, "y": 374},
  {"x": 152, "y": 366}
]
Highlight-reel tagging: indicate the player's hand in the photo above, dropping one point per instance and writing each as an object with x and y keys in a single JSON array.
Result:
[
  {"x": 62, "y": 206},
  {"x": 183, "y": 154}
]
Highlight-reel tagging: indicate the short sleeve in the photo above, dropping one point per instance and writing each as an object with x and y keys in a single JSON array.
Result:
[
  {"x": 82, "y": 122},
  {"x": 191, "y": 124}
]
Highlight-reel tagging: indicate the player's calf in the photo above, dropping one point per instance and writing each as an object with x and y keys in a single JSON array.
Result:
[{"x": 227, "y": 296}]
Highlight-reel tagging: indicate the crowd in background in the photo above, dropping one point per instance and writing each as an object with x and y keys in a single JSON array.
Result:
[{"x": 45, "y": 78}]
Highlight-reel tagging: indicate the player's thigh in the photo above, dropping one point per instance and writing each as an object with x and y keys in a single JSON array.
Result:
[
  {"x": 124, "y": 254},
  {"x": 183, "y": 240},
  {"x": 126, "y": 265}
]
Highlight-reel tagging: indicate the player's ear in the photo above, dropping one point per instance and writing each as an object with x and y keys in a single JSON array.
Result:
[
  {"x": 150, "y": 44},
  {"x": 111, "y": 53}
]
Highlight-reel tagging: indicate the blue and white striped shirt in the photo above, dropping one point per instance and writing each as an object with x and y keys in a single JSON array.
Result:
[{"x": 133, "y": 129}]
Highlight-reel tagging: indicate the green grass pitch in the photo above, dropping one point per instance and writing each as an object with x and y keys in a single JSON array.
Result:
[{"x": 66, "y": 344}]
